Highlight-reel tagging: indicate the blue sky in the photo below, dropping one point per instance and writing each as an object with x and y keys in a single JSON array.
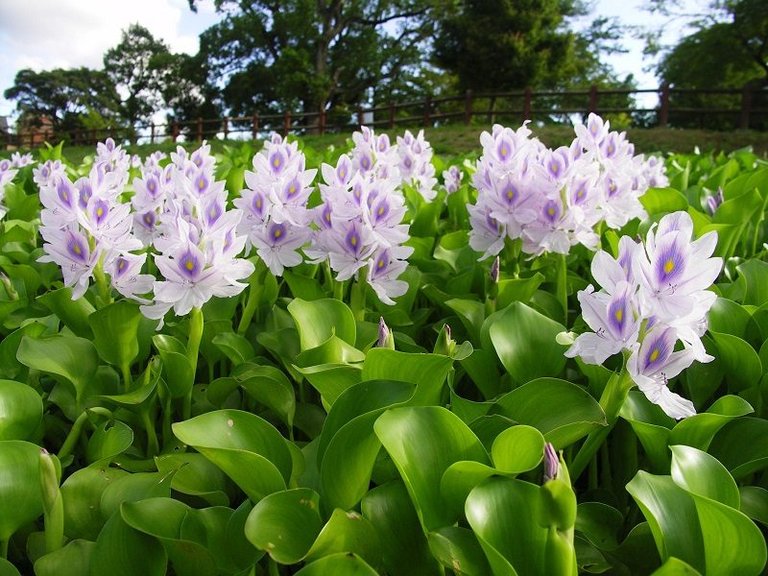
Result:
[{"x": 45, "y": 34}]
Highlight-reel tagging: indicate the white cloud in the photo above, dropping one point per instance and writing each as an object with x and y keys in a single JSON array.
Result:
[{"x": 45, "y": 34}]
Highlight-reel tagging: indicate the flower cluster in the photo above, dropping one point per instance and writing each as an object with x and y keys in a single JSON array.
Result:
[
  {"x": 274, "y": 203},
  {"x": 184, "y": 208},
  {"x": 452, "y": 179},
  {"x": 86, "y": 228},
  {"x": 553, "y": 199},
  {"x": 8, "y": 169},
  {"x": 359, "y": 223},
  {"x": 653, "y": 296}
]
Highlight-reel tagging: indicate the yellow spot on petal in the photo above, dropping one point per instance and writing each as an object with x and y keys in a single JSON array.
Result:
[
  {"x": 353, "y": 240},
  {"x": 77, "y": 250},
  {"x": 189, "y": 265},
  {"x": 619, "y": 315},
  {"x": 551, "y": 211},
  {"x": 277, "y": 233},
  {"x": 654, "y": 355},
  {"x": 99, "y": 212},
  {"x": 669, "y": 266}
]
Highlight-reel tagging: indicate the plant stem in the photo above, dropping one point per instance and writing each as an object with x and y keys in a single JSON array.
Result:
[
  {"x": 357, "y": 296},
  {"x": 611, "y": 402},
  {"x": 196, "y": 325},
  {"x": 105, "y": 297},
  {"x": 4, "y": 549},
  {"x": 125, "y": 368},
  {"x": 153, "y": 447},
  {"x": 72, "y": 437},
  {"x": 562, "y": 286},
  {"x": 254, "y": 291}
]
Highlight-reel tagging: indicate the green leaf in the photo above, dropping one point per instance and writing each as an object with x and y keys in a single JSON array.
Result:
[
  {"x": 458, "y": 549},
  {"x": 423, "y": 442},
  {"x": 236, "y": 347},
  {"x": 663, "y": 200},
  {"x": 698, "y": 430},
  {"x": 525, "y": 342},
  {"x": 270, "y": 387},
  {"x": 347, "y": 532},
  {"x": 671, "y": 514},
  {"x": 651, "y": 426},
  {"x": 471, "y": 313},
  {"x": 676, "y": 567},
  {"x": 20, "y": 498},
  {"x": 741, "y": 447},
  {"x": 179, "y": 372},
  {"x": 341, "y": 564},
  {"x": 754, "y": 503},
  {"x": 67, "y": 356},
  {"x": 753, "y": 277},
  {"x": 109, "y": 440},
  {"x": 318, "y": 320},
  {"x": 600, "y": 524},
  {"x": 21, "y": 411},
  {"x": 8, "y": 569},
  {"x": 74, "y": 559},
  {"x": 560, "y": 410},
  {"x": 116, "y": 332},
  {"x": 502, "y": 513},
  {"x": 123, "y": 551},
  {"x": 196, "y": 476},
  {"x": 74, "y": 313},
  {"x": 518, "y": 449},
  {"x": 728, "y": 317},
  {"x": 134, "y": 487},
  {"x": 518, "y": 289},
  {"x": 742, "y": 365},
  {"x": 285, "y": 524},
  {"x": 246, "y": 447},
  {"x": 701, "y": 474},
  {"x": 331, "y": 380},
  {"x": 403, "y": 545},
  {"x": 81, "y": 493},
  {"x": 427, "y": 371}
]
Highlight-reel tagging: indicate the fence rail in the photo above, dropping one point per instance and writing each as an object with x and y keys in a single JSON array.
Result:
[{"x": 740, "y": 107}]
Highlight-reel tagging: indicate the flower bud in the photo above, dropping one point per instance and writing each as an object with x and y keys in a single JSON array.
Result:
[
  {"x": 386, "y": 339},
  {"x": 551, "y": 462},
  {"x": 445, "y": 344}
]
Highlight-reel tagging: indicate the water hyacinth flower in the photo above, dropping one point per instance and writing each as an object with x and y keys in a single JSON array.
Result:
[
  {"x": 452, "y": 179},
  {"x": 7, "y": 172},
  {"x": 652, "y": 305},
  {"x": 554, "y": 199}
]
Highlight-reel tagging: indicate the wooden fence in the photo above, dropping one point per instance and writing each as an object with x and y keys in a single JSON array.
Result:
[{"x": 742, "y": 108}]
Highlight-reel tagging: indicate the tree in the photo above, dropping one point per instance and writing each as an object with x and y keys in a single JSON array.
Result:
[
  {"x": 727, "y": 49},
  {"x": 71, "y": 99},
  {"x": 493, "y": 46},
  {"x": 314, "y": 54},
  {"x": 138, "y": 67},
  {"x": 188, "y": 95}
]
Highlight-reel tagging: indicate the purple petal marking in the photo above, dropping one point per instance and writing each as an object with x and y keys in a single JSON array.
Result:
[
  {"x": 189, "y": 264},
  {"x": 277, "y": 233},
  {"x": 148, "y": 219},
  {"x": 64, "y": 190},
  {"x": 77, "y": 249},
  {"x": 276, "y": 161},
  {"x": 551, "y": 211},
  {"x": 658, "y": 351},
  {"x": 670, "y": 263},
  {"x": 353, "y": 241},
  {"x": 100, "y": 211}
]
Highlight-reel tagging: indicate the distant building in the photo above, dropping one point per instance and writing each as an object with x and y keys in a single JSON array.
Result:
[{"x": 34, "y": 131}]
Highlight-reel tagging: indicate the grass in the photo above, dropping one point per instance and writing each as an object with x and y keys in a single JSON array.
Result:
[{"x": 459, "y": 139}]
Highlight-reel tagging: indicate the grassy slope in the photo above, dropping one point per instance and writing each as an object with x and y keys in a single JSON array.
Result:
[{"x": 459, "y": 139}]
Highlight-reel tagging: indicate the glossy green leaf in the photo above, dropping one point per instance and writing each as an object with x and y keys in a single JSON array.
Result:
[
  {"x": 663, "y": 200},
  {"x": 427, "y": 371},
  {"x": 285, "y": 524},
  {"x": 331, "y": 380},
  {"x": 67, "y": 356},
  {"x": 518, "y": 289},
  {"x": 20, "y": 498},
  {"x": 246, "y": 447},
  {"x": 134, "y": 487},
  {"x": 236, "y": 347},
  {"x": 196, "y": 476},
  {"x": 21, "y": 411},
  {"x": 73, "y": 313},
  {"x": 318, "y": 320},
  {"x": 701, "y": 474},
  {"x": 753, "y": 276},
  {"x": 698, "y": 430},
  {"x": 600, "y": 524},
  {"x": 742, "y": 365},
  {"x": 460, "y": 478},
  {"x": 754, "y": 503},
  {"x": 8, "y": 569},
  {"x": 165, "y": 519},
  {"x": 676, "y": 567},
  {"x": 123, "y": 551},
  {"x": 671, "y": 514},
  {"x": 403, "y": 544},
  {"x": 740, "y": 446},
  {"x": 10, "y": 367},
  {"x": 270, "y": 387},
  {"x": 481, "y": 368},
  {"x": 560, "y": 410},
  {"x": 423, "y": 442},
  {"x": 502, "y": 513},
  {"x": 179, "y": 372},
  {"x": 74, "y": 559},
  {"x": 109, "y": 440},
  {"x": 471, "y": 313},
  {"x": 651, "y": 426},
  {"x": 518, "y": 449},
  {"x": 81, "y": 493},
  {"x": 728, "y": 317},
  {"x": 334, "y": 350},
  {"x": 348, "y": 532},
  {"x": 341, "y": 564},
  {"x": 524, "y": 340},
  {"x": 116, "y": 332},
  {"x": 457, "y": 548}
]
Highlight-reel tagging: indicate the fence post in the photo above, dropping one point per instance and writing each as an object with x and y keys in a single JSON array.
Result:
[
  {"x": 664, "y": 106},
  {"x": 226, "y": 127},
  {"x": 152, "y": 133},
  {"x": 468, "y": 107},
  {"x": 527, "y": 97},
  {"x": 199, "y": 129},
  {"x": 287, "y": 123},
  {"x": 175, "y": 130},
  {"x": 391, "y": 115},
  {"x": 427, "y": 111},
  {"x": 360, "y": 115},
  {"x": 593, "y": 99},
  {"x": 746, "y": 106},
  {"x": 255, "y": 126}
]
